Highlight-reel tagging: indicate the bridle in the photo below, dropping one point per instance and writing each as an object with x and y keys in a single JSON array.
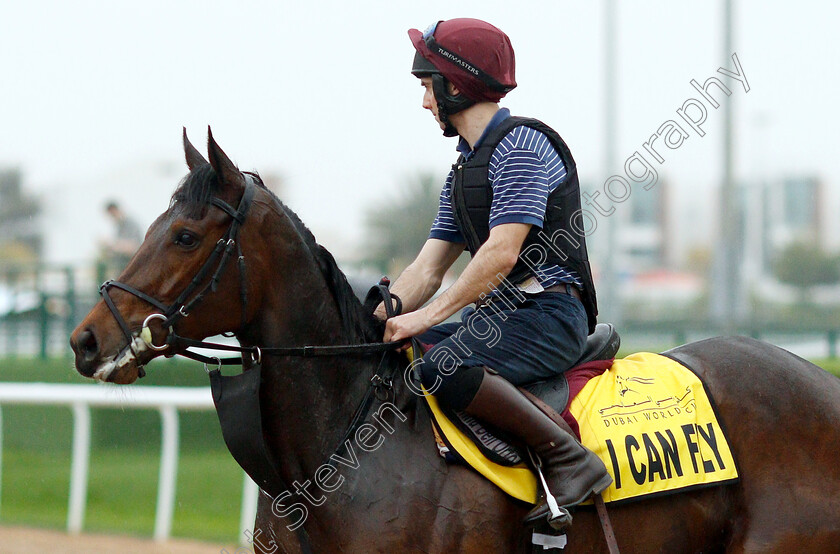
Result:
[
  {"x": 238, "y": 406},
  {"x": 190, "y": 297}
]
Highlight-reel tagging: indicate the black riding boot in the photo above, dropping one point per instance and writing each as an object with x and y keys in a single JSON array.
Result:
[{"x": 572, "y": 472}]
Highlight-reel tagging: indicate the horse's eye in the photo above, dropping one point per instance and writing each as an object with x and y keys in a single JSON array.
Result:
[{"x": 186, "y": 239}]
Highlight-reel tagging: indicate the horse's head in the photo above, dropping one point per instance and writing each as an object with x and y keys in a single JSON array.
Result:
[{"x": 187, "y": 275}]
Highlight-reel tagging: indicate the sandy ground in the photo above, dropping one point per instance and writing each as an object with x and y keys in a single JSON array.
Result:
[{"x": 25, "y": 540}]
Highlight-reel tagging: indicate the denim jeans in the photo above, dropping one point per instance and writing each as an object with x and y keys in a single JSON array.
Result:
[{"x": 524, "y": 338}]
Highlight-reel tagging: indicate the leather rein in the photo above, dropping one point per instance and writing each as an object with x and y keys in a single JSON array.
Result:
[{"x": 192, "y": 295}]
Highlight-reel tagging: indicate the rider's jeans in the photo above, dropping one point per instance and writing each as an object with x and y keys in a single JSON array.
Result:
[{"x": 525, "y": 339}]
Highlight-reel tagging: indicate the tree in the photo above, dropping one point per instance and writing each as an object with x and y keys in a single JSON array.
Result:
[
  {"x": 397, "y": 228},
  {"x": 20, "y": 234},
  {"x": 805, "y": 265}
]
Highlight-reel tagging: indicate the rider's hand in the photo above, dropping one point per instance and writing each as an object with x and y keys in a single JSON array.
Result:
[
  {"x": 380, "y": 312},
  {"x": 406, "y": 326}
]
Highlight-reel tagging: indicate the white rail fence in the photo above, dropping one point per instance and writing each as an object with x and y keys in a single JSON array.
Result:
[{"x": 167, "y": 400}]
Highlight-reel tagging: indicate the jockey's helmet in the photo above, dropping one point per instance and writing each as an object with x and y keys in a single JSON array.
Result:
[{"x": 476, "y": 57}]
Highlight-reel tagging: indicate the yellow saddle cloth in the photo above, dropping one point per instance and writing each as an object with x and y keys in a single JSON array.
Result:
[{"x": 648, "y": 418}]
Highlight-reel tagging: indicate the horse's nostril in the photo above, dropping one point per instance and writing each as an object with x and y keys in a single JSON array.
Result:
[{"x": 88, "y": 344}]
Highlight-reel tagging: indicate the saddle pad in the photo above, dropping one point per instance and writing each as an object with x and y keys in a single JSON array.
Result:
[
  {"x": 518, "y": 480},
  {"x": 651, "y": 422},
  {"x": 490, "y": 441}
]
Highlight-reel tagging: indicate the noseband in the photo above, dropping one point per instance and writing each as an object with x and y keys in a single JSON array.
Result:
[{"x": 188, "y": 299}]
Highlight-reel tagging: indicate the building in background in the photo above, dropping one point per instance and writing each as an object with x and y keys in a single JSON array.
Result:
[
  {"x": 775, "y": 215},
  {"x": 653, "y": 255},
  {"x": 665, "y": 241}
]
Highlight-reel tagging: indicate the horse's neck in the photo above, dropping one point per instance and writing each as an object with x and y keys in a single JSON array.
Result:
[
  {"x": 306, "y": 402},
  {"x": 308, "y": 405}
]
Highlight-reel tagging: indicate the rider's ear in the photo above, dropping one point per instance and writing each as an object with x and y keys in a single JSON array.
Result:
[
  {"x": 194, "y": 157},
  {"x": 226, "y": 170}
]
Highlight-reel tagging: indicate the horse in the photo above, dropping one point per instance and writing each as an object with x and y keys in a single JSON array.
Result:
[{"x": 782, "y": 413}]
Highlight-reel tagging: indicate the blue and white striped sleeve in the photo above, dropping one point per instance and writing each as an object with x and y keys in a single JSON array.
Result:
[
  {"x": 444, "y": 226},
  {"x": 524, "y": 170}
]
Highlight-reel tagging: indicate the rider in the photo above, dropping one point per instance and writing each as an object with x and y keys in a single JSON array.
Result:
[
  {"x": 520, "y": 333},
  {"x": 127, "y": 239}
]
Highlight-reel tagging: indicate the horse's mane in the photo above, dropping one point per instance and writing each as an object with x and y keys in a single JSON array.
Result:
[{"x": 193, "y": 196}]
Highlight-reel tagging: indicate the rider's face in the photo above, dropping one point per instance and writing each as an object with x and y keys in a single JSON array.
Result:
[{"x": 429, "y": 101}]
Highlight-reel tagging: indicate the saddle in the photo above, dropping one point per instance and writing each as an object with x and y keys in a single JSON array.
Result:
[
  {"x": 550, "y": 395},
  {"x": 603, "y": 344}
]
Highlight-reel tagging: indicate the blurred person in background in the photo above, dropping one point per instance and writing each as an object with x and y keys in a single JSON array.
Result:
[{"x": 127, "y": 238}]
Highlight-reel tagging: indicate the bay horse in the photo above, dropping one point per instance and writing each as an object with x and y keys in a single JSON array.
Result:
[{"x": 782, "y": 413}]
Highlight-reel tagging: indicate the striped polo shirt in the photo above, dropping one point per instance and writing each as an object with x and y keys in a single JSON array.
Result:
[{"x": 524, "y": 170}]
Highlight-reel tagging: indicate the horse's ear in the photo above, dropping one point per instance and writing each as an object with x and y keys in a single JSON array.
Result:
[
  {"x": 226, "y": 170},
  {"x": 194, "y": 157}
]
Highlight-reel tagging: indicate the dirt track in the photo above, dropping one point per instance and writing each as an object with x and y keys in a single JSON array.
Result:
[{"x": 25, "y": 540}]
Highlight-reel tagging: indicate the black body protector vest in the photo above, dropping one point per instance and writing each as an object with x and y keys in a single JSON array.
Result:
[{"x": 556, "y": 243}]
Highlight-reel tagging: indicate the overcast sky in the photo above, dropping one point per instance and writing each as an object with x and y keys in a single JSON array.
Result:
[{"x": 321, "y": 93}]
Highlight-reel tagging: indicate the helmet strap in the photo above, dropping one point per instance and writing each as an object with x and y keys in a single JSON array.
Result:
[{"x": 448, "y": 104}]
